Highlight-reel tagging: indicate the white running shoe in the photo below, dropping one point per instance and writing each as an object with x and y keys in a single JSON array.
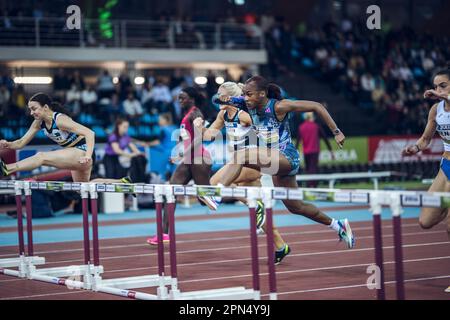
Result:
[
  {"x": 209, "y": 201},
  {"x": 345, "y": 233}
]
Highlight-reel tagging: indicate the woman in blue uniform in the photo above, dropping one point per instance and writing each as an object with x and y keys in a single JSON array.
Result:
[{"x": 237, "y": 124}]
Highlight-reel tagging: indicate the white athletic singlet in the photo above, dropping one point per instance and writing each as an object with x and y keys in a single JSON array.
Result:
[
  {"x": 443, "y": 124},
  {"x": 237, "y": 134}
]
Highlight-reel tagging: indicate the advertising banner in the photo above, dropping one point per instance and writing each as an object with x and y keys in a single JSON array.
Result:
[{"x": 388, "y": 149}]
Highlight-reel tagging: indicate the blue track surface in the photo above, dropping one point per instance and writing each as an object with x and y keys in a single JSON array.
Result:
[{"x": 139, "y": 229}]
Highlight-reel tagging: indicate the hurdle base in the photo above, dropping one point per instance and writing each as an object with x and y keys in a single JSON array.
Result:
[
  {"x": 25, "y": 265},
  {"x": 127, "y": 293},
  {"x": 232, "y": 293},
  {"x": 71, "y": 284},
  {"x": 76, "y": 270},
  {"x": 135, "y": 282},
  {"x": 57, "y": 275},
  {"x": 15, "y": 262}
]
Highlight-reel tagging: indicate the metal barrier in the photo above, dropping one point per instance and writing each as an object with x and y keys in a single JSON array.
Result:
[{"x": 53, "y": 32}]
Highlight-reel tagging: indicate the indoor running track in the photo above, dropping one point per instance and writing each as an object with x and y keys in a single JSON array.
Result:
[{"x": 213, "y": 251}]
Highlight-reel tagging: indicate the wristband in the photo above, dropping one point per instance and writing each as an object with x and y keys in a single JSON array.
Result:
[
  {"x": 418, "y": 149},
  {"x": 336, "y": 132}
]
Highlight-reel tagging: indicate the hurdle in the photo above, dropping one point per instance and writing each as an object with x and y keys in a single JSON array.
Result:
[
  {"x": 24, "y": 263},
  {"x": 122, "y": 286},
  {"x": 231, "y": 293},
  {"x": 69, "y": 276}
]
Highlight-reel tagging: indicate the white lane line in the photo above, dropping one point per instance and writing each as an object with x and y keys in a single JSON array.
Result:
[
  {"x": 244, "y": 260},
  {"x": 357, "y": 285},
  {"x": 263, "y": 245},
  {"x": 313, "y": 269},
  {"x": 44, "y": 295},
  {"x": 209, "y": 240}
]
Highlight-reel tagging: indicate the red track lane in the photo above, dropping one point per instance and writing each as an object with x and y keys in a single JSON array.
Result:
[{"x": 318, "y": 268}]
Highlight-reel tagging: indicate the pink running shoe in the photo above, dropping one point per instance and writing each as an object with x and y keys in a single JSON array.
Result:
[{"x": 154, "y": 240}]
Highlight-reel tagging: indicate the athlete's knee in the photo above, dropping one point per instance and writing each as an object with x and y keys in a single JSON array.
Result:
[
  {"x": 213, "y": 181},
  {"x": 41, "y": 157},
  {"x": 426, "y": 223}
]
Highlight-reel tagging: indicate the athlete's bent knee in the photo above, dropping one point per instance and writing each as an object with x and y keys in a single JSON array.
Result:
[
  {"x": 41, "y": 157},
  {"x": 425, "y": 224}
]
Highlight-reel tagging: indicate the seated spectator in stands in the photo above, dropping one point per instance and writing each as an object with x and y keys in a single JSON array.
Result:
[
  {"x": 176, "y": 79},
  {"x": 19, "y": 101},
  {"x": 367, "y": 82},
  {"x": 160, "y": 96},
  {"x": 122, "y": 155},
  {"x": 111, "y": 109},
  {"x": 105, "y": 86},
  {"x": 132, "y": 108},
  {"x": 77, "y": 80},
  {"x": 125, "y": 85},
  {"x": 7, "y": 80},
  {"x": 73, "y": 100},
  {"x": 146, "y": 100},
  {"x": 89, "y": 100},
  {"x": 61, "y": 83},
  {"x": 176, "y": 114},
  {"x": 378, "y": 92},
  {"x": 4, "y": 100}
]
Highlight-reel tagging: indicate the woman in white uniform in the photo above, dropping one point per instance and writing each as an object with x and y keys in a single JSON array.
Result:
[
  {"x": 77, "y": 142},
  {"x": 438, "y": 120}
]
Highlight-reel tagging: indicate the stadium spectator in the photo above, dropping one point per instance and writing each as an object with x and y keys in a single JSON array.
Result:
[
  {"x": 61, "y": 84},
  {"x": 310, "y": 133},
  {"x": 105, "y": 86},
  {"x": 4, "y": 100},
  {"x": 119, "y": 152},
  {"x": 132, "y": 108},
  {"x": 73, "y": 100},
  {"x": 89, "y": 100}
]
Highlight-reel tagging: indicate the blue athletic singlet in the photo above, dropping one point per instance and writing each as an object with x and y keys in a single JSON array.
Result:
[
  {"x": 64, "y": 138},
  {"x": 275, "y": 134}
]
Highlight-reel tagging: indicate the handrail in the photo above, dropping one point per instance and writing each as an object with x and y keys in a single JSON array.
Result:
[{"x": 51, "y": 32}]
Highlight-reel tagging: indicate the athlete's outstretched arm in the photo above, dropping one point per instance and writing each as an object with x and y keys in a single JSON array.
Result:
[
  {"x": 213, "y": 130},
  {"x": 66, "y": 123},
  {"x": 285, "y": 106},
  {"x": 427, "y": 135},
  {"x": 22, "y": 142}
]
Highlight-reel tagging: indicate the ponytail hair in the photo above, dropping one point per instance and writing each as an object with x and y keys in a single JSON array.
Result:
[
  {"x": 272, "y": 90},
  {"x": 232, "y": 89},
  {"x": 44, "y": 99}
]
